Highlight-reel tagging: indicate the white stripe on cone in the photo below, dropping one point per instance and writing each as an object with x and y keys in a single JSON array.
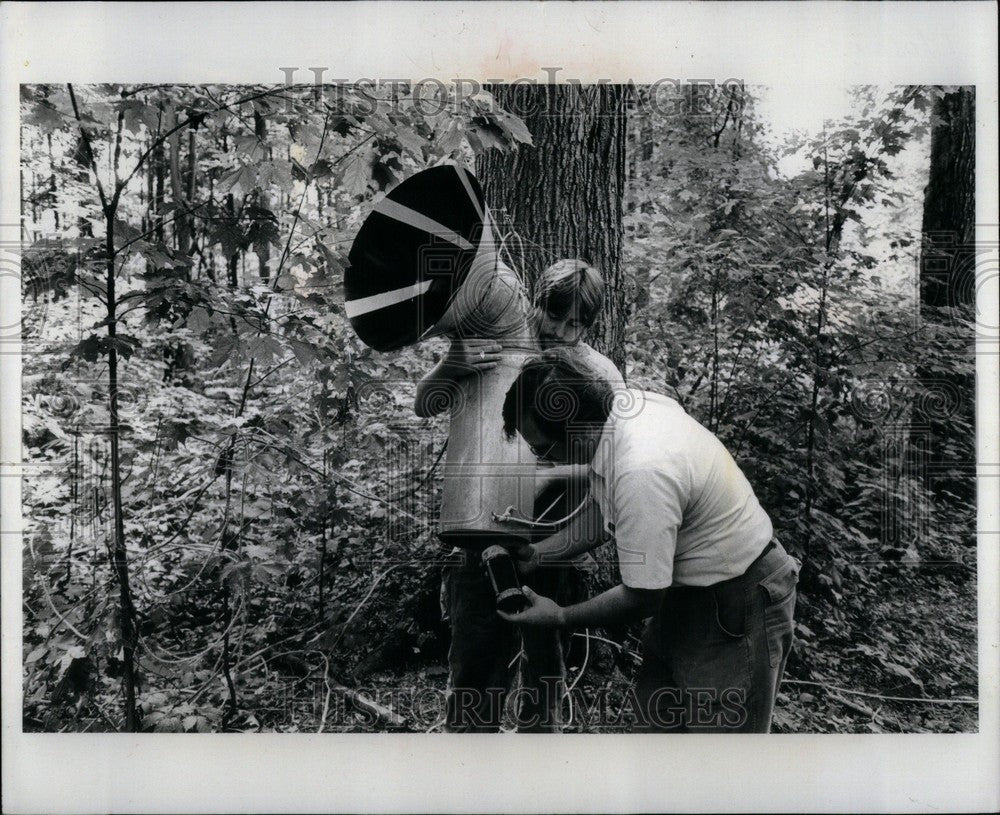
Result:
[
  {"x": 463, "y": 176},
  {"x": 363, "y": 305},
  {"x": 398, "y": 212}
]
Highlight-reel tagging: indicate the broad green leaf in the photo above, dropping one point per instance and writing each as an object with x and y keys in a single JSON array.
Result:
[{"x": 357, "y": 172}]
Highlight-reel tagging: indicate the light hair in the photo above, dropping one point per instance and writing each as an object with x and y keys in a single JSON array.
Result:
[{"x": 568, "y": 283}]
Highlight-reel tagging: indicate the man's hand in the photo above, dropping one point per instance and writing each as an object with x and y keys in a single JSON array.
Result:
[
  {"x": 473, "y": 355},
  {"x": 541, "y": 612},
  {"x": 526, "y": 559}
]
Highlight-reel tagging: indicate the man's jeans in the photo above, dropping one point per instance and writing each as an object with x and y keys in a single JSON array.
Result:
[
  {"x": 485, "y": 652},
  {"x": 713, "y": 657}
]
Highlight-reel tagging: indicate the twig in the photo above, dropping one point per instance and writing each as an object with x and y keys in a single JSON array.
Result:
[
  {"x": 427, "y": 477},
  {"x": 364, "y": 600},
  {"x": 826, "y": 687},
  {"x": 266, "y": 648},
  {"x": 621, "y": 648},
  {"x": 329, "y": 690},
  {"x": 184, "y": 523},
  {"x": 104, "y": 715},
  {"x": 382, "y": 713},
  {"x": 176, "y": 658},
  {"x": 90, "y": 152},
  {"x": 857, "y": 707},
  {"x": 163, "y": 222},
  {"x": 349, "y": 485},
  {"x": 256, "y": 382},
  {"x": 436, "y": 725},
  {"x": 583, "y": 667}
]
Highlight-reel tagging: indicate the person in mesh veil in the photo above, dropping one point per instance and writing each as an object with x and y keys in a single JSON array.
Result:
[{"x": 486, "y": 474}]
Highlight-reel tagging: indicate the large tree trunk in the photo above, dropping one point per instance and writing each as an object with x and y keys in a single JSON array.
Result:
[
  {"x": 563, "y": 195},
  {"x": 947, "y": 280},
  {"x": 949, "y": 224},
  {"x": 563, "y": 198}
]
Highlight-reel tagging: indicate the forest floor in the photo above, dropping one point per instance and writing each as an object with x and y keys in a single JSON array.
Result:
[
  {"x": 896, "y": 663},
  {"x": 906, "y": 655}
]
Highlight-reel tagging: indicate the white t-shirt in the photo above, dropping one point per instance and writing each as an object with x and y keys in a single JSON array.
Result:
[{"x": 679, "y": 507}]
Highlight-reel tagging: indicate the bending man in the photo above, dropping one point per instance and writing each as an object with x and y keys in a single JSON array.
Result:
[{"x": 696, "y": 550}]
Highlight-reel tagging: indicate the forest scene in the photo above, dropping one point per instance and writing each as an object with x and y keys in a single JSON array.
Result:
[{"x": 230, "y": 506}]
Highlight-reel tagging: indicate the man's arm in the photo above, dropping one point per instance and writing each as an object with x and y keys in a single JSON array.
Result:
[
  {"x": 583, "y": 533},
  {"x": 550, "y": 473},
  {"x": 464, "y": 357},
  {"x": 615, "y": 605}
]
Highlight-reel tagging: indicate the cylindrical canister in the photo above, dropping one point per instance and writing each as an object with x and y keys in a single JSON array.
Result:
[
  {"x": 506, "y": 582},
  {"x": 485, "y": 473}
]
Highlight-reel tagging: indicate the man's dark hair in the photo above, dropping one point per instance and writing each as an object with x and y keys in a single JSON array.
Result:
[{"x": 559, "y": 389}]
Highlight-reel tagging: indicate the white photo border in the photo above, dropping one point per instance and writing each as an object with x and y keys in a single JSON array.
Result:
[{"x": 770, "y": 43}]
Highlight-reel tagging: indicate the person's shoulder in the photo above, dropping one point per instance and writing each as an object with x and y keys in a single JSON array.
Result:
[
  {"x": 661, "y": 399},
  {"x": 650, "y": 434},
  {"x": 597, "y": 360},
  {"x": 659, "y": 404},
  {"x": 655, "y": 419},
  {"x": 649, "y": 405}
]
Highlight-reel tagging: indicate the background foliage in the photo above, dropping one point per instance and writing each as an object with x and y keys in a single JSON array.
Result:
[{"x": 184, "y": 250}]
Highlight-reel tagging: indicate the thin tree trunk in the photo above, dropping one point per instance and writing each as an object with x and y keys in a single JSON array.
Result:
[
  {"x": 233, "y": 261},
  {"x": 74, "y": 495},
  {"x": 949, "y": 219},
  {"x": 182, "y": 230},
  {"x": 147, "y": 221},
  {"x": 322, "y": 549},
  {"x": 192, "y": 176},
  {"x": 834, "y": 228},
  {"x": 158, "y": 161},
  {"x": 813, "y": 415},
  {"x": 713, "y": 400},
  {"x": 120, "y": 552},
  {"x": 52, "y": 183},
  {"x": 262, "y": 248}
]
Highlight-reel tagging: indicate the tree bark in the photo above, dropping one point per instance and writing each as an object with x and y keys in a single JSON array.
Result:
[
  {"x": 53, "y": 189},
  {"x": 563, "y": 195},
  {"x": 119, "y": 551},
  {"x": 946, "y": 409},
  {"x": 949, "y": 222},
  {"x": 159, "y": 162},
  {"x": 182, "y": 225}
]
